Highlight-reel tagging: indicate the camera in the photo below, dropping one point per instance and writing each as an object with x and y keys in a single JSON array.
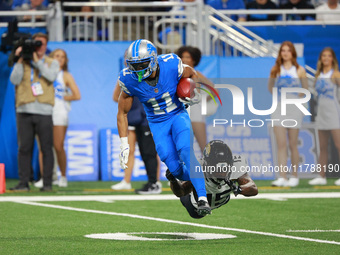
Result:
[
  {"x": 11, "y": 40},
  {"x": 28, "y": 47}
]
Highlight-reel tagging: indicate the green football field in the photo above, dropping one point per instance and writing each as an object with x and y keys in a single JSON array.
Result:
[{"x": 89, "y": 218}]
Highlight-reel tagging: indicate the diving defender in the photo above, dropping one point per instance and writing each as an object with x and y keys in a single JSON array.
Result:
[
  {"x": 232, "y": 177},
  {"x": 153, "y": 79}
]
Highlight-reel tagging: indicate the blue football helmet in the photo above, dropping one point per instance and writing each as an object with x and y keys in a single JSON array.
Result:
[{"x": 141, "y": 59}]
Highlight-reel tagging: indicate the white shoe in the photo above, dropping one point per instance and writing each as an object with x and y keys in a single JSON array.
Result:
[
  {"x": 337, "y": 182},
  {"x": 280, "y": 182},
  {"x": 62, "y": 182},
  {"x": 293, "y": 182},
  {"x": 318, "y": 181},
  {"x": 159, "y": 184},
  {"x": 122, "y": 185},
  {"x": 55, "y": 182},
  {"x": 39, "y": 184}
]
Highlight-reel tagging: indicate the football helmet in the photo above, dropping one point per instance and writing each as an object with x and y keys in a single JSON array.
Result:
[
  {"x": 218, "y": 155},
  {"x": 141, "y": 59}
]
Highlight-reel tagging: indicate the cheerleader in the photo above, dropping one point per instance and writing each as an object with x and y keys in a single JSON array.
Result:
[
  {"x": 287, "y": 73},
  {"x": 327, "y": 80}
]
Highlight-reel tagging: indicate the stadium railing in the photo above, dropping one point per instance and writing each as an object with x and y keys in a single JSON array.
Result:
[
  {"x": 167, "y": 24},
  {"x": 51, "y": 23},
  {"x": 127, "y": 21}
]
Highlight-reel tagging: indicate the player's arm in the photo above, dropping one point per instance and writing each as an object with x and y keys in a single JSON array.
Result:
[
  {"x": 247, "y": 186},
  {"x": 116, "y": 92},
  {"x": 124, "y": 105},
  {"x": 189, "y": 72},
  {"x": 180, "y": 189}
]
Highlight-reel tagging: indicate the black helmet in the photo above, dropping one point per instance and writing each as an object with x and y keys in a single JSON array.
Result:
[{"x": 218, "y": 155}]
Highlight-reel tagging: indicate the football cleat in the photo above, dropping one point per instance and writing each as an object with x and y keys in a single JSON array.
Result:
[
  {"x": 203, "y": 208},
  {"x": 149, "y": 189},
  {"x": 141, "y": 59}
]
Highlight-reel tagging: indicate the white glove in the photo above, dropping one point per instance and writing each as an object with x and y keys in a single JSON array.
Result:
[
  {"x": 194, "y": 100},
  {"x": 124, "y": 152}
]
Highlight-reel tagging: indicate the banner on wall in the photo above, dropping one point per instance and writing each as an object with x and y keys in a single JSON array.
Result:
[
  {"x": 242, "y": 121},
  {"x": 257, "y": 149},
  {"x": 308, "y": 147},
  {"x": 109, "y": 159},
  {"x": 81, "y": 146}
]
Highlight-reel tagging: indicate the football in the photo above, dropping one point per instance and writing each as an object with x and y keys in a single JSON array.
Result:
[{"x": 185, "y": 88}]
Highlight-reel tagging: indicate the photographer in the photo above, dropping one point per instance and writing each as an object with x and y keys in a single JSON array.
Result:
[{"x": 33, "y": 77}]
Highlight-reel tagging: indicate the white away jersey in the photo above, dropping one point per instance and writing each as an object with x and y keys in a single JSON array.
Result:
[{"x": 218, "y": 192}]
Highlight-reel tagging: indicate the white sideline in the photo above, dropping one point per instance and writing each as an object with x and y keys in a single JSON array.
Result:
[
  {"x": 179, "y": 222},
  {"x": 271, "y": 196}
]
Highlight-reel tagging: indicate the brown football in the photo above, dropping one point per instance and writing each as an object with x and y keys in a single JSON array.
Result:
[{"x": 185, "y": 88}]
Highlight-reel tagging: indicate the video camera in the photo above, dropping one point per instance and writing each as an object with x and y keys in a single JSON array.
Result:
[
  {"x": 11, "y": 40},
  {"x": 28, "y": 47}
]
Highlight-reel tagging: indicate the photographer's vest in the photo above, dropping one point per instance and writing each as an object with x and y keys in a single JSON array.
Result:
[{"x": 23, "y": 91}]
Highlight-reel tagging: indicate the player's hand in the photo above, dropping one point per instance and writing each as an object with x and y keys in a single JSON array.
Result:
[
  {"x": 194, "y": 100},
  {"x": 235, "y": 189},
  {"x": 124, "y": 152}
]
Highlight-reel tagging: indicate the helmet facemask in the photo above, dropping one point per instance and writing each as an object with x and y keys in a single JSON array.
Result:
[{"x": 141, "y": 59}]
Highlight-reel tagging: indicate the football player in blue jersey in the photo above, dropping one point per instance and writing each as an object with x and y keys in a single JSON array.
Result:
[
  {"x": 224, "y": 174},
  {"x": 153, "y": 79}
]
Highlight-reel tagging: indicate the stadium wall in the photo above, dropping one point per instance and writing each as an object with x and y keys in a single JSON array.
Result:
[
  {"x": 95, "y": 67},
  {"x": 314, "y": 38}
]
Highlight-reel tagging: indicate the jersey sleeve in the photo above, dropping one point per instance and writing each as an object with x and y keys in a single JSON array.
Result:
[
  {"x": 122, "y": 83},
  {"x": 240, "y": 167},
  {"x": 174, "y": 64},
  {"x": 180, "y": 69}
]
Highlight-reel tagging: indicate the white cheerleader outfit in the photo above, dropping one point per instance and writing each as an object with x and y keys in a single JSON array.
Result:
[
  {"x": 287, "y": 79},
  {"x": 328, "y": 112},
  {"x": 196, "y": 113},
  {"x": 61, "y": 107}
]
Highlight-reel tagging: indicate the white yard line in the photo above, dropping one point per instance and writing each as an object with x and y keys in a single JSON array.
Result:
[
  {"x": 178, "y": 222},
  {"x": 313, "y": 231},
  {"x": 107, "y": 198}
]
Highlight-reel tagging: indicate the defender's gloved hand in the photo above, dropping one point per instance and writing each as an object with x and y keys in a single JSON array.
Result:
[
  {"x": 124, "y": 152},
  {"x": 194, "y": 100},
  {"x": 235, "y": 189}
]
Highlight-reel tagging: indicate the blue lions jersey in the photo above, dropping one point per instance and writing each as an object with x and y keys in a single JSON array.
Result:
[{"x": 160, "y": 102}]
